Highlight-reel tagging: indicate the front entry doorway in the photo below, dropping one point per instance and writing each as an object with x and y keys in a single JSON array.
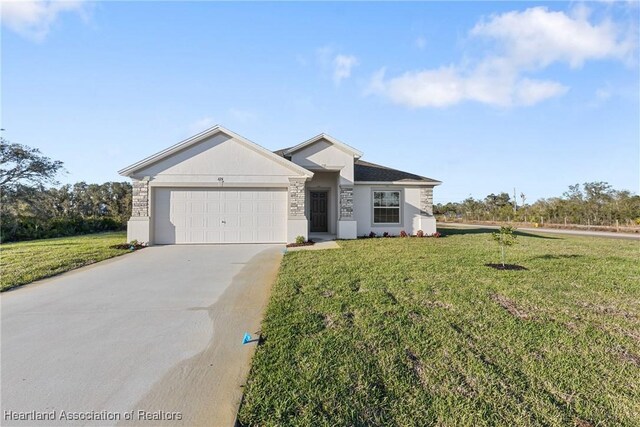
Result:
[{"x": 319, "y": 211}]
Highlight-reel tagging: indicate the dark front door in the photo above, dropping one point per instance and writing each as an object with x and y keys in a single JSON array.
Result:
[{"x": 318, "y": 211}]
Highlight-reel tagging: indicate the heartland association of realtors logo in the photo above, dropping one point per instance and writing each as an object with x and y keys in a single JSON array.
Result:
[{"x": 138, "y": 415}]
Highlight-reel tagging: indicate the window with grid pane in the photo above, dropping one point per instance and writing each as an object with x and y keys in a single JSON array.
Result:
[{"x": 386, "y": 207}]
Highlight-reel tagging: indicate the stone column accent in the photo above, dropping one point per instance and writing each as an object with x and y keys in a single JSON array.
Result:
[
  {"x": 346, "y": 203},
  {"x": 140, "y": 203},
  {"x": 426, "y": 201},
  {"x": 296, "y": 197}
]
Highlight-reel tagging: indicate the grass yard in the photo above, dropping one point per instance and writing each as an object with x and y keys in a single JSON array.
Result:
[
  {"x": 25, "y": 262},
  {"x": 414, "y": 332}
]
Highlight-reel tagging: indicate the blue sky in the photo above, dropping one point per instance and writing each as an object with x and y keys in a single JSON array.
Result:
[{"x": 482, "y": 96}]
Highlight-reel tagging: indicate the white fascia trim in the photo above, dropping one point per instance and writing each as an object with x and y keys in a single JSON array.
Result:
[
  {"x": 217, "y": 185},
  {"x": 411, "y": 183},
  {"x": 347, "y": 148},
  {"x": 206, "y": 134}
]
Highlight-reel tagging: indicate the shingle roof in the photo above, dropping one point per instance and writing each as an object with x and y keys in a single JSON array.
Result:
[
  {"x": 371, "y": 172},
  {"x": 280, "y": 152},
  {"x": 365, "y": 171}
]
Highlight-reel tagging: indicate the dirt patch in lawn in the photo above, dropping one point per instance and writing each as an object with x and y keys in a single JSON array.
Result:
[
  {"x": 610, "y": 310},
  {"x": 418, "y": 368},
  {"x": 328, "y": 321},
  {"x": 438, "y": 304},
  {"x": 328, "y": 293},
  {"x": 627, "y": 356},
  {"x": 506, "y": 267},
  {"x": 511, "y": 307}
]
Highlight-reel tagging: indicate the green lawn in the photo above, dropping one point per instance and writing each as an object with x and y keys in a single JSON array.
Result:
[
  {"x": 413, "y": 332},
  {"x": 24, "y": 262}
]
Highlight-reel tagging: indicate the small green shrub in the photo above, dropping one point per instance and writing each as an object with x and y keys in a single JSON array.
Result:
[{"x": 299, "y": 240}]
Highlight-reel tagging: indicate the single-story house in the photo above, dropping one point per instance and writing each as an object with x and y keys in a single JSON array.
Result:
[{"x": 218, "y": 187}]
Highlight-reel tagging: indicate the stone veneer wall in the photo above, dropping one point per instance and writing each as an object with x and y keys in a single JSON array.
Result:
[
  {"x": 346, "y": 203},
  {"x": 296, "y": 197},
  {"x": 426, "y": 201},
  {"x": 140, "y": 203}
]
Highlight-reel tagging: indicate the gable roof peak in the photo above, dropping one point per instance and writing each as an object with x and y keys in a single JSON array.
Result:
[
  {"x": 129, "y": 170},
  {"x": 345, "y": 147}
]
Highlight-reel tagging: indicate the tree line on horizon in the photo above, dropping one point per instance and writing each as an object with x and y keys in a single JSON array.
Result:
[
  {"x": 32, "y": 206},
  {"x": 592, "y": 203},
  {"x": 37, "y": 212}
]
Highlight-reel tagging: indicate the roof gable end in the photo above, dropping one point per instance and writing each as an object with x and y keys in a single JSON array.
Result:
[
  {"x": 202, "y": 136},
  {"x": 324, "y": 137}
]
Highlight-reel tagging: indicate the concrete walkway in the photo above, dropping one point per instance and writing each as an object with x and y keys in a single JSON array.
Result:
[
  {"x": 157, "y": 331},
  {"x": 588, "y": 233}
]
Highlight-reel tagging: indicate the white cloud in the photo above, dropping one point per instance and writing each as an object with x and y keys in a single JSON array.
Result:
[
  {"x": 339, "y": 65},
  {"x": 342, "y": 67},
  {"x": 33, "y": 18},
  {"x": 538, "y": 37},
  {"x": 604, "y": 93},
  {"x": 525, "y": 42},
  {"x": 530, "y": 92},
  {"x": 447, "y": 86}
]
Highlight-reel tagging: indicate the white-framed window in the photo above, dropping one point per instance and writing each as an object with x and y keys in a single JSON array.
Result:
[{"x": 386, "y": 207}]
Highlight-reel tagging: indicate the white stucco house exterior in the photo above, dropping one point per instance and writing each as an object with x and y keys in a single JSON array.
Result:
[{"x": 218, "y": 187}]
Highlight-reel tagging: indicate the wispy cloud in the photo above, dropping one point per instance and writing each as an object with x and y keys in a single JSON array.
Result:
[
  {"x": 604, "y": 93},
  {"x": 240, "y": 115},
  {"x": 420, "y": 43},
  {"x": 523, "y": 43},
  {"x": 225, "y": 118},
  {"x": 200, "y": 125},
  {"x": 33, "y": 19},
  {"x": 339, "y": 64},
  {"x": 342, "y": 67}
]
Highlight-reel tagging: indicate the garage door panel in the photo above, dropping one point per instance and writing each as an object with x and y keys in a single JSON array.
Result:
[
  {"x": 231, "y": 207},
  {"x": 213, "y": 206},
  {"x": 247, "y": 222},
  {"x": 212, "y": 236},
  {"x": 184, "y": 215},
  {"x": 196, "y": 206},
  {"x": 247, "y": 206},
  {"x": 197, "y": 221}
]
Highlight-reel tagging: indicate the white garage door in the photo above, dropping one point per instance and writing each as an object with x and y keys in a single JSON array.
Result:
[{"x": 185, "y": 215}]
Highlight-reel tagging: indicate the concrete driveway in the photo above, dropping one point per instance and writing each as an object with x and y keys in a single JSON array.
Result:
[{"x": 157, "y": 331}]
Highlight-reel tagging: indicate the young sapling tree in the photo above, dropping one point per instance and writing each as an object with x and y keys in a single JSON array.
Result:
[{"x": 504, "y": 237}]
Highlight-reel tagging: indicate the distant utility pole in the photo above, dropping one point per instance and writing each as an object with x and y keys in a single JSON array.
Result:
[{"x": 515, "y": 201}]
